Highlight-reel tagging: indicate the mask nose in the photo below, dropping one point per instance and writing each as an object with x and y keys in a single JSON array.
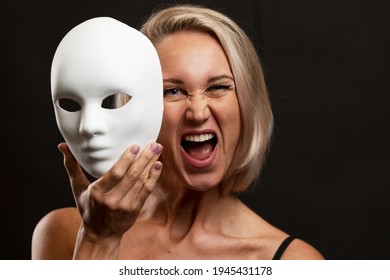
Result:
[{"x": 92, "y": 121}]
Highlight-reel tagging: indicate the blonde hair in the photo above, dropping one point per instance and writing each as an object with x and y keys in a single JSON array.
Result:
[{"x": 255, "y": 108}]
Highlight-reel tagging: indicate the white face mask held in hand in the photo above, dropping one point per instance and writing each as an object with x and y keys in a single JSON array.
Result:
[{"x": 107, "y": 91}]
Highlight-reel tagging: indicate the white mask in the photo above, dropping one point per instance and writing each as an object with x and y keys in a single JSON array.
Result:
[{"x": 97, "y": 60}]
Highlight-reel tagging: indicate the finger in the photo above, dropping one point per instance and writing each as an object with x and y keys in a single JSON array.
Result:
[
  {"x": 128, "y": 173},
  {"x": 150, "y": 153},
  {"x": 150, "y": 184},
  {"x": 136, "y": 175},
  {"x": 77, "y": 178},
  {"x": 119, "y": 169},
  {"x": 137, "y": 196}
]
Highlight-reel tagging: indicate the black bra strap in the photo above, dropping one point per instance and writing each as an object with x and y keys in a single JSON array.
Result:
[{"x": 283, "y": 247}]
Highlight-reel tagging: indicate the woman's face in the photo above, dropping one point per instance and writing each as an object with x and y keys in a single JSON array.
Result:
[{"x": 201, "y": 121}]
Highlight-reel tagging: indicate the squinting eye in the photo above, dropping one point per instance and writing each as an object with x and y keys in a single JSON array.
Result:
[
  {"x": 174, "y": 94},
  {"x": 219, "y": 90},
  {"x": 68, "y": 104},
  {"x": 115, "y": 101},
  {"x": 220, "y": 87},
  {"x": 171, "y": 91}
]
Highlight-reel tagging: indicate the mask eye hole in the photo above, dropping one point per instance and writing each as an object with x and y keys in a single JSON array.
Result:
[
  {"x": 68, "y": 104},
  {"x": 115, "y": 101}
]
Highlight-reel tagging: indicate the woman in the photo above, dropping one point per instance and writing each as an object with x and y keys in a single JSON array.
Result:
[{"x": 216, "y": 127}]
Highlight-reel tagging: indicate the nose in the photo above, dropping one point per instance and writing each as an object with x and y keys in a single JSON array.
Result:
[
  {"x": 91, "y": 122},
  {"x": 198, "y": 110}
]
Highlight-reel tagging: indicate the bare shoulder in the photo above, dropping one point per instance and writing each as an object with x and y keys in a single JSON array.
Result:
[
  {"x": 296, "y": 250},
  {"x": 55, "y": 234},
  {"x": 269, "y": 238},
  {"x": 300, "y": 250}
]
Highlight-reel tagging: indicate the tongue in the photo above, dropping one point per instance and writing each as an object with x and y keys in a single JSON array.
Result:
[{"x": 199, "y": 151}]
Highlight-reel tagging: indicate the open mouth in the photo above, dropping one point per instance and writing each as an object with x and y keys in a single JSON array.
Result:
[{"x": 199, "y": 146}]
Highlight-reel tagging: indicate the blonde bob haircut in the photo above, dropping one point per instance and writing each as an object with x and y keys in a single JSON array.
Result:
[{"x": 252, "y": 94}]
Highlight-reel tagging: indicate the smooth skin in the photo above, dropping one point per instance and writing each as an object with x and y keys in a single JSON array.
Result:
[{"x": 135, "y": 211}]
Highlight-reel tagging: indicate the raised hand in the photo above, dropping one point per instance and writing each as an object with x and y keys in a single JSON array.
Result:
[{"x": 110, "y": 205}]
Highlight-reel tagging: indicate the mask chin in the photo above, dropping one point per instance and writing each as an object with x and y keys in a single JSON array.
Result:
[{"x": 96, "y": 172}]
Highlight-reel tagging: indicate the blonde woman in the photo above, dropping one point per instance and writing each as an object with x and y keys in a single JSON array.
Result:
[{"x": 176, "y": 199}]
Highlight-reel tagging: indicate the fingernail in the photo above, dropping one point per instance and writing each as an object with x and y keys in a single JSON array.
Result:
[
  {"x": 158, "y": 165},
  {"x": 156, "y": 148},
  {"x": 135, "y": 149}
]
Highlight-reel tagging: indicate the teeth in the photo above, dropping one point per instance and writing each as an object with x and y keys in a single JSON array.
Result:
[{"x": 199, "y": 138}]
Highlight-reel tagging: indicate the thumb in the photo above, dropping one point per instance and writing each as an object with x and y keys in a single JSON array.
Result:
[{"x": 77, "y": 178}]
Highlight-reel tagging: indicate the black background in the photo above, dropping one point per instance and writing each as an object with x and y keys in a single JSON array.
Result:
[{"x": 326, "y": 64}]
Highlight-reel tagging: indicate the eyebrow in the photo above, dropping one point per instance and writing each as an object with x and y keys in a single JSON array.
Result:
[
  {"x": 210, "y": 80},
  {"x": 173, "y": 81},
  {"x": 220, "y": 77}
]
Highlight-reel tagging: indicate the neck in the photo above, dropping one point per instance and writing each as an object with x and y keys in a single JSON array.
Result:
[{"x": 181, "y": 208}]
